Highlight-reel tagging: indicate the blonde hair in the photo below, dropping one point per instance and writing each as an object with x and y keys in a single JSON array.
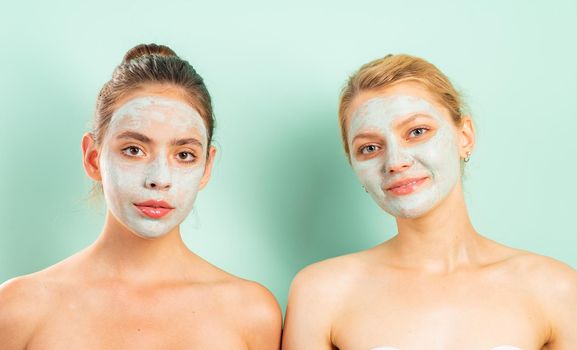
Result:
[{"x": 393, "y": 69}]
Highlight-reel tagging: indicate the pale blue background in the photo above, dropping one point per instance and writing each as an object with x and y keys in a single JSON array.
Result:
[{"x": 282, "y": 194}]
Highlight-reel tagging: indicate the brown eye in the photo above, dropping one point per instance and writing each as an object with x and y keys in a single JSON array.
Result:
[
  {"x": 133, "y": 151},
  {"x": 185, "y": 156}
]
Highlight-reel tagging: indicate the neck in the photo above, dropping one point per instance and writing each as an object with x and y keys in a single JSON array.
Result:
[
  {"x": 440, "y": 241},
  {"x": 121, "y": 254}
]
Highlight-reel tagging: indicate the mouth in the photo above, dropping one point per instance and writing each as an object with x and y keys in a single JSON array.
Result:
[
  {"x": 154, "y": 209},
  {"x": 406, "y": 186}
]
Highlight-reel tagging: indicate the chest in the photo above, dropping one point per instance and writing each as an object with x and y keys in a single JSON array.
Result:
[
  {"x": 444, "y": 315},
  {"x": 142, "y": 320}
]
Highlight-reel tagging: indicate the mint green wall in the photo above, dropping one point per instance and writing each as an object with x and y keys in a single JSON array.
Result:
[{"x": 282, "y": 195}]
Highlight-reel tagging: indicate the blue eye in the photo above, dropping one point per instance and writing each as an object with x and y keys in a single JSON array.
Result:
[
  {"x": 418, "y": 132},
  {"x": 133, "y": 151},
  {"x": 369, "y": 149},
  {"x": 185, "y": 157}
]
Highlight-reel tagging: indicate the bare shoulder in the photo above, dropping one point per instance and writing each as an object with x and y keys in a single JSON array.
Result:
[
  {"x": 328, "y": 281},
  {"x": 254, "y": 300},
  {"x": 254, "y": 310},
  {"x": 250, "y": 305},
  {"x": 554, "y": 286},
  {"x": 27, "y": 300},
  {"x": 240, "y": 296},
  {"x": 317, "y": 294},
  {"x": 24, "y": 294},
  {"x": 22, "y": 301},
  {"x": 544, "y": 275},
  {"x": 332, "y": 270}
]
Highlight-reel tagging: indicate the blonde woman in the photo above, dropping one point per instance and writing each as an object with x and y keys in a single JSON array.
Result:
[{"x": 438, "y": 284}]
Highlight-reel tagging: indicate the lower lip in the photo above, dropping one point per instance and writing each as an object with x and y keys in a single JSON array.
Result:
[
  {"x": 408, "y": 188},
  {"x": 152, "y": 212}
]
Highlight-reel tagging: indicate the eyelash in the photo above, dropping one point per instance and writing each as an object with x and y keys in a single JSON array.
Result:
[
  {"x": 127, "y": 151},
  {"x": 419, "y": 128},
  {"x": 193, "y": 157},
  {"x": 364, "y": 149}
]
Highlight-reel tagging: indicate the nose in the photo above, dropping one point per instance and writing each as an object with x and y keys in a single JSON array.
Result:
[
  {"x": 398, "y": 159},
  {"x": 158, "y": 176}
]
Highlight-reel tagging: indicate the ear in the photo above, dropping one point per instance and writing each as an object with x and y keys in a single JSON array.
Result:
[
  {"x": 90, "y": 156},
  {"x": 466, "y": 136},
  {"x": 207, "y": 167}
]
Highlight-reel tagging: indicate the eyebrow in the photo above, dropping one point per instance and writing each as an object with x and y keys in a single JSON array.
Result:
[
  {"x": 145, "y": 139},
  {"x": 362, "y": 135},
  {"x": 188, "y": 141},
  {"x": 134, "y": 135},
  {"x": 404, "y": 122},
  {"x": 411, "y": 118}
]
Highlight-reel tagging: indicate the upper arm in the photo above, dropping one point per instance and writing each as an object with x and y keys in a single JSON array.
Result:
[
  {"x": 263, "y": 318},
  {"x": 308, "y": 315},
  {"x": 561, "y": 307},
  {"x": 18, "y": 313}
]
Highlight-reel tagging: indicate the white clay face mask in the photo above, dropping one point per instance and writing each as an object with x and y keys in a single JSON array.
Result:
[
  {"x": 406, "y": 179},
  {"x": 150, "y": 182}
]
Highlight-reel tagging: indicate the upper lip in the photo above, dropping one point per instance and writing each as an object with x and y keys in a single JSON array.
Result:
[
  {"x": 403, "y": 182},
  {"x": 154, "y": 203}
]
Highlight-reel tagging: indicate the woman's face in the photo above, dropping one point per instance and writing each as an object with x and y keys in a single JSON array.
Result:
[
  {"x": 152, "y": 161},
  {"x": 404, "y": 148}
]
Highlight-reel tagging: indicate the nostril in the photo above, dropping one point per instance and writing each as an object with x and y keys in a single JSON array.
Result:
[
  {"x": 153, "y": 185},
  {"x": 397, "y": 168}
]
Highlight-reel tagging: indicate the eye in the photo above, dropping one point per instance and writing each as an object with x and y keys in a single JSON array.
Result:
[
  {"x": 369, "y": 149},
  {"x": 133, "y": 151},
  {"x": 186, "y": 157},
  {"x": 417, "y": 132}
]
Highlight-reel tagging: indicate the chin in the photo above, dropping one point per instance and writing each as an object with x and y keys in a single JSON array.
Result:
[
  {"x": 150, "y": 231},
  {"x": 407, "y": 210},
  {"x": 150, "y": 235},
  {"x": 410, "y": 213}
]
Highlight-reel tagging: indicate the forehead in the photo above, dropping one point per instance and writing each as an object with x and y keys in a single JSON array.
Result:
[
  {"x": 155, "y": 113},
  {"x": 390, "y": 107},
  {"x": 392, "y": 103}
]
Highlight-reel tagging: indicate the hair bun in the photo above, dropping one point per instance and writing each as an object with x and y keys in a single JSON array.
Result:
[{"x": 147, "y": 50}]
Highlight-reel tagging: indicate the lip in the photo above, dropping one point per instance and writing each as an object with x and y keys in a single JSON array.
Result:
[
  {"x": 154, "y": 209},
  {"x": 155, "y": 203},
  {"x": 406, "y": 186}
]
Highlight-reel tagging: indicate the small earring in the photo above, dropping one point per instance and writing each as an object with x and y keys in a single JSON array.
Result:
[{"x": 467, "y": 158}]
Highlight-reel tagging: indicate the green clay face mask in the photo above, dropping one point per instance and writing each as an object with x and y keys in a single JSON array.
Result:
[
  {"x": 406, "y": 173},
  {"x": 152, "y": 161}
]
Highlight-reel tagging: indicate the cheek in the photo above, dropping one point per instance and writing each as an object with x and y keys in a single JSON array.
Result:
[
  {"x": 186, "y": 183},
  {"x": 440, "y": 153},
  {"x": 368, "y": 171},
  {"x": 120, "y": 178}
]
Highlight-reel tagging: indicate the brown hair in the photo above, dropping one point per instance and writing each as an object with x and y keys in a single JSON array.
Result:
[
  {"x": 392, "y": 69},
  {"x": 151, "y": 64}
]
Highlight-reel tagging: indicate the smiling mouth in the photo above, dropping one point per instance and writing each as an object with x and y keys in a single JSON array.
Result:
[{"x": 406, "y": 186}]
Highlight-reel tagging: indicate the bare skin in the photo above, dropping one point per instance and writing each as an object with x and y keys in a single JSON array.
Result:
[
  {"x": 129, "y": 292},
  {"x": 437, "y": 284}
]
